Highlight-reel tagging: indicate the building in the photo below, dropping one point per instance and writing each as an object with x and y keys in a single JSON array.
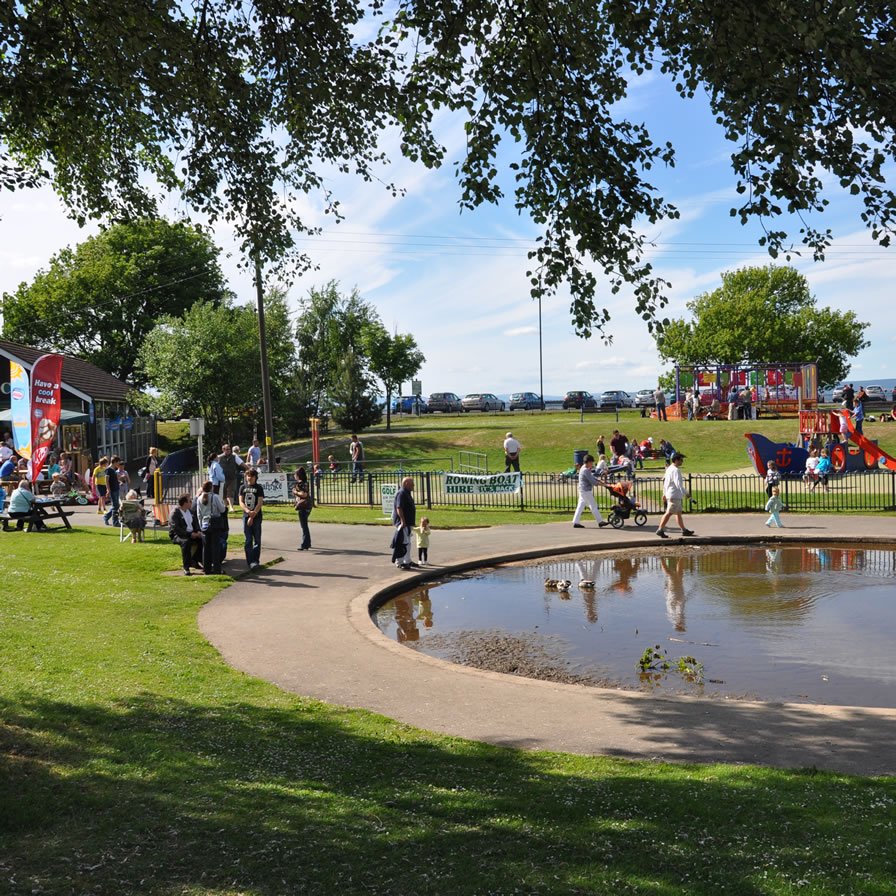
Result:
[{"x": 97, "y": 418}]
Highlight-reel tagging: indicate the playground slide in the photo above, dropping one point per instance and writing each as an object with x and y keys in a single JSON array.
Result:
[{"x": 870, "y": 449}]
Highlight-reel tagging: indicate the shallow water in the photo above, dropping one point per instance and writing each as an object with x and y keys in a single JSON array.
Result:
[{"x": 772, "y": 623}]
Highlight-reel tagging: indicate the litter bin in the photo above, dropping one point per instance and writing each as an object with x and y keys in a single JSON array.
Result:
[{"x": 578, "y": 456}]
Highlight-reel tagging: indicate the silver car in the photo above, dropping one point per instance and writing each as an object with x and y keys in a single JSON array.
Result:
[{"x": 482, "y": 401}]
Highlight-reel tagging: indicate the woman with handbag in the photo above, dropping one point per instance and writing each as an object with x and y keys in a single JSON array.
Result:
[
  {"x": 304, "y": 505},
  {"x": 211, "y": 514}
]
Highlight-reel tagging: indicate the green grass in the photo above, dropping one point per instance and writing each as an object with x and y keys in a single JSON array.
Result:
[
  {"x": 549, "y": 439},
  {"x": 133, "y": 760}
]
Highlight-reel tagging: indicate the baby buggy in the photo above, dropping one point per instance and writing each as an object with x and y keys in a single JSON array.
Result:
[{"x": 624, "y": 507}]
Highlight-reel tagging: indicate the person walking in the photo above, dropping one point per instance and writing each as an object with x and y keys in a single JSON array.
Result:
[
  {"x": 511, "y": 453},
  {"x": 659, "y": 398},
  {"x": 587, "y": 480},
  {"x": 149, "y": 468},
  {"x": 423, "y": 532},
  {"x": 113, "y": 487},
  {"x": 404, "y": 518},
  {"x": 304, "y": 505},
  {"x": 230, "y": 465},
  {"x": 674, "y": 492},
  {"x": 356, "y": 450},
  {"x": 774, "y": 505},
  {"x": 252, "y": 502}
]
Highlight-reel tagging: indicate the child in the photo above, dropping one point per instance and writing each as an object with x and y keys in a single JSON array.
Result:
[
  {"x": 317, "y": 474},
  {"x": 772, "y": 478},
  {"x": 334, "y": 464},
  {"x": 99, "y": 483},
  {"x": 824, "y": 468},
  {"x": 422, "y": 532},
  {"x": 58, "y": 488},
  {"x": 773, "y": 506}
]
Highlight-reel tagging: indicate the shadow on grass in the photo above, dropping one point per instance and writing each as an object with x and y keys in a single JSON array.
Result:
[{"x": 160, "y": 796}]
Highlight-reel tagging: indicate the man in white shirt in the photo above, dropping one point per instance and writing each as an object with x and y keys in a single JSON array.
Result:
[
  {"x": 511, "y": 453},
  {"x": 674, "y": 492}
]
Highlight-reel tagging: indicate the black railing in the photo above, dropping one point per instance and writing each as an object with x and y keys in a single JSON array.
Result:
[{"x": 864, "y": 491}]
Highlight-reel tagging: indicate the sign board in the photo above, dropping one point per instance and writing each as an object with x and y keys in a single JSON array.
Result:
[
  {"x": 197, "y": 426},
  {"x": 496, "y": 484},
  {"x": 416, "y": 387},
  {"x": 276, "y": 486},
  {"x": 387, "y": 496}
]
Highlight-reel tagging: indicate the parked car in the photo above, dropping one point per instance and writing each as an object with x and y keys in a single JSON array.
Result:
[
  {"x": 616, "y": 398},
  {"x": 837, "y": 395},
  {"x": 876, "y": 393},
  {"x": 446, "y": 402},
  {"x": 578, "y": 400},
  {"x": 526, "y": 401},
  {"x": 409, "y": 404},
  {"x": 482, "y": 401},
  {"x": 644, "y": 398}
]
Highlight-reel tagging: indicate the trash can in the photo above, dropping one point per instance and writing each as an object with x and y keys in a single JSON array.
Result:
[{"x": 578, "y": 456}]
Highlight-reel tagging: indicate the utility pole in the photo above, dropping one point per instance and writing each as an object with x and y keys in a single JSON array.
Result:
[{"x": 265, "y": 377}]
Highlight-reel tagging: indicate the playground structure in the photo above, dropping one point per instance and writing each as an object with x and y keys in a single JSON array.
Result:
[
  {"x": 779, "y": 389},
  {"x": 819, "y": 429}
]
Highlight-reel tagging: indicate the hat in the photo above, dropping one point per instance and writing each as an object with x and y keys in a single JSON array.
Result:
[
  {"x": 677, "y": 456},
  {"x": 509, "y": 435}
]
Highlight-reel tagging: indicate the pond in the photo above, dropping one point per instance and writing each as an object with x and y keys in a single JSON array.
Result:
[{"x": 777, "y": 623}]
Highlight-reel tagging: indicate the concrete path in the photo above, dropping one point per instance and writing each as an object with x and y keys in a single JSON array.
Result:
[{"x": 304, "y": 624}]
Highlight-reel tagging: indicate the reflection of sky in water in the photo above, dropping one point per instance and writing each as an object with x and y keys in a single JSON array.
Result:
[{"x": 780, "y": 623}]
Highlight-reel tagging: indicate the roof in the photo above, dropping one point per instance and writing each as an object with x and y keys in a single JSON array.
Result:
[{"x": 78, "y": 376}]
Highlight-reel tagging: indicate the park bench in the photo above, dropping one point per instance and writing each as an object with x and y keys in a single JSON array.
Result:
[{"x": 35, "y": 517}]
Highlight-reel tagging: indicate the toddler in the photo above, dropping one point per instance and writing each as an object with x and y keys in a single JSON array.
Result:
[
  {"x": 58, "y": 487},
  {"x": 422, "y": 532},
  {"x": 772, "y": 478},
  {"x": 773, "y": 506}
]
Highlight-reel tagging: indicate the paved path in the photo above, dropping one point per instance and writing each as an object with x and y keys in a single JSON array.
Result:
[{"x": 304, "y": 625}]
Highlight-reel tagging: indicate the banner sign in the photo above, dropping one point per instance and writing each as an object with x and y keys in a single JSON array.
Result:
[
  {"x": 275, "y": 485},
  {"x": 46, "y": 408},
  {"x": 497, "y": 484},
  {"x": 20, "y": 408},
  {"x": 387, "y": 497}
]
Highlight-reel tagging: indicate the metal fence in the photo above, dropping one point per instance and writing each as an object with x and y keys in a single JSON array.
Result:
[{"x": 863, "y": 491}]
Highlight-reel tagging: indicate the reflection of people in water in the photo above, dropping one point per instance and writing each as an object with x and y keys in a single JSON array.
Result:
[
  {"x": 404, "y": 619},
  {"x": 773, "y": 559},
  {"x": 424, "y": 607},
  {"x": 673, "y": 567},
  {"x": 626, "y": 569}
]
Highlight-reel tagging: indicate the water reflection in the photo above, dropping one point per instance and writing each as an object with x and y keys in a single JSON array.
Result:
[{"x": 778, "y": 622}]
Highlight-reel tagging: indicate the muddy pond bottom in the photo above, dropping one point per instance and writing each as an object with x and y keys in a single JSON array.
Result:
[{"x": 799, "y": 624}]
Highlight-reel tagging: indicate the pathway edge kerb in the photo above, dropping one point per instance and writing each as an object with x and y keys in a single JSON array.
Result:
[{"x": 361, "y": 608}]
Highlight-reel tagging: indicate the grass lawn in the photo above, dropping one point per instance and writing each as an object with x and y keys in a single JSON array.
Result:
[
  {"x": 550, "y": 439},
  {"x": 135, "y": 761}
]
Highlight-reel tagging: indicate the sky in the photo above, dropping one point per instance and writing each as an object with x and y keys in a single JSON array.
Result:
[{"x": 457, "y": 281}]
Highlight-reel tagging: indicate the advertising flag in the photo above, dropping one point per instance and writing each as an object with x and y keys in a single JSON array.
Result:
[
  {"x": 46, "y": 408},
  {"x": 20, "y": 407}
]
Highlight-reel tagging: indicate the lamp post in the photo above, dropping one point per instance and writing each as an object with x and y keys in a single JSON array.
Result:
[{"x": 540, "y": 364}]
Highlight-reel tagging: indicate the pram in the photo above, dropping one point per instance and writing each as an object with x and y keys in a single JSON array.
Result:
[{"x": 624, "y": 506}]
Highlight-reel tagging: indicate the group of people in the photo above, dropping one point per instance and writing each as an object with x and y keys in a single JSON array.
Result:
[
  {"x": 200, "y": 526},
  {"x": 226, "y": 470}
]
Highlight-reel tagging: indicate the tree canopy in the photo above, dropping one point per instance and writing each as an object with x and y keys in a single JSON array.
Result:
[
  {"x": 243, "y": 108},
  {"x": 394, "y": 359},
  {"x": 100, "y": 300},
  {"x": 764, "y": 315}
]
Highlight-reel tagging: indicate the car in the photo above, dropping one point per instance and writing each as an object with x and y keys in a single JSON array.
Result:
[
  {"x": 578, "y": 400},
  {"x": 645, "y": 398},
  {"x": 876, "y": 393},
  {"x": 482, "y": 401},
  {"x": 409, "y": 404},
  {"x": 526, "y": 401},
  {"x": 837, "y": 395},
  {"x": 446, "y": 402},
  {"x": 616, "y": 398}
]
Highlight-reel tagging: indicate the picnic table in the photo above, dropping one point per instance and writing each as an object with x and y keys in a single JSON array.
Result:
[{"x": 43, "y": 510}]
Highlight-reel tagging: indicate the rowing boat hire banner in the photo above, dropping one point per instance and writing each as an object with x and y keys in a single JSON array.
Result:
[
  {"x": 496, "y": 484},
  {"x": 46, "y": 408},
  {"x": 20, "y": 408}
]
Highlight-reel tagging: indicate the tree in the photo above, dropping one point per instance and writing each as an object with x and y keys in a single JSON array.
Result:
[
  {"x": 764, "y": 315},
  {"x": 241, "y": 108},
  {"x": 100, "y": 300},
  {"x": 206, "y": 363},
  {"x": 394, "y": 359},
  {"x": 352, "y": 399}
]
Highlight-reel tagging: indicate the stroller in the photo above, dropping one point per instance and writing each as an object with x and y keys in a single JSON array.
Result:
[{"x": 624, "y": 506}]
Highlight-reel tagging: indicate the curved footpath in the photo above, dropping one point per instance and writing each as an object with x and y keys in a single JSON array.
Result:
[{"x": 304, "y": 625}]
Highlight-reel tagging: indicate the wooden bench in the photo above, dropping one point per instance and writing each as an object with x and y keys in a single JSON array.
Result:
[
  {"x": 43, "y": 516},
  {"x": 31, "y": 519}
]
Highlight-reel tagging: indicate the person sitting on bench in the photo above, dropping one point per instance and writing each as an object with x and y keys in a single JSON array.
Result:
[{"x": 21, "y": 506}]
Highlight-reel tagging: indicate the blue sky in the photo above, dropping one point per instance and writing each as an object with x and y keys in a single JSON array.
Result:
[{"x": 457, "y": 281}]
